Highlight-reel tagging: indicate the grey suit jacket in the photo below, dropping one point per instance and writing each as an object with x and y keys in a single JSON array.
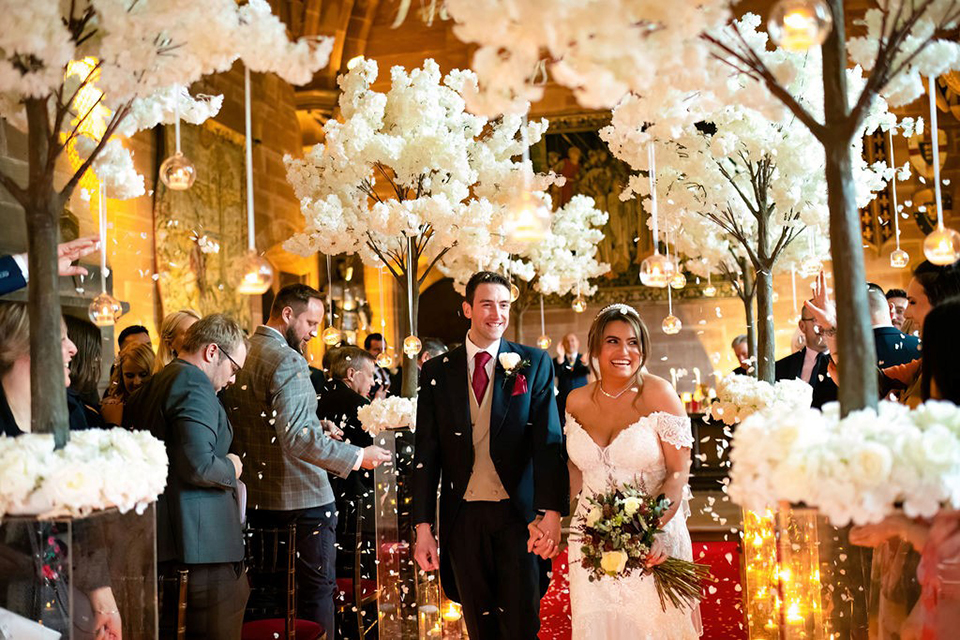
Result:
[
  {"x": 273, "y": 409},
  {"x": 198, "y": 520}
]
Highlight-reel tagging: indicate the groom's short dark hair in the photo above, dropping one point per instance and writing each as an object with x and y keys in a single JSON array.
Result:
[{"x": 484, "y": 277}]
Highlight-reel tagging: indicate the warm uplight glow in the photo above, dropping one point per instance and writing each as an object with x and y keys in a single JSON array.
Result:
[
  {"x": 256, "y": 275},
  {"x": 91, "y": 115},
  {"x": 942, "y": 247},
  {"x": 797, "y": 25},
  {"x": 657, "y": 271}
]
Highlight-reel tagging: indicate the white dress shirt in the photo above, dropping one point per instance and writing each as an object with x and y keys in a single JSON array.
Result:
[
  {"x": 809, "y": 362},
  {"x": 472, "y": 351}
]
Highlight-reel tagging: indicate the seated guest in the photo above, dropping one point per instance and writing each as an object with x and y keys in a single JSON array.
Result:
[
  {"x": 375, "y": 345},
  {"x": 15, "y": 408},
  {"x": 133, "y": 368},
  {"x": 893, "y": 347},
  {"x": 198, "y": 517},
  {"x": 85, "y": 367},
  {"x": 431, "y": 348},
  {"x": 351, "y": 379},
  {"x": 14, "y": 272},
  {"x": 172, "y": 331},
  {"x": 134, "y": 334},
  {"x": 897, "y": 301},
  {"x": 811, "y": 363},
  {"x": 273, "y": 408},
  {"x": 741, "y": 349},
  {"x": 571, "y": 372}
]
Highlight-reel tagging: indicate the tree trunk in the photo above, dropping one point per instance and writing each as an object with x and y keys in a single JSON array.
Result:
[
  {"x": 48, "y": 403},
  {"x": 411, "y": 306},
  {"x": 766, "y": 345},
  {"x": 857, "y": 358},
  {"x": 749, "y": 293}
]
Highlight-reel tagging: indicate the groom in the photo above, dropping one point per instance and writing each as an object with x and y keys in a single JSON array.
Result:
[{"x": 489, "y": 436}]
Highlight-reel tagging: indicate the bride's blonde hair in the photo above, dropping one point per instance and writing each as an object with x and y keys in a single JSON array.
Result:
[{"x": 618, "y": 313}]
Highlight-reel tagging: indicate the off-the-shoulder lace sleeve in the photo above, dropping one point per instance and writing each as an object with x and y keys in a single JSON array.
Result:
[{"x": 674, "y": 430}]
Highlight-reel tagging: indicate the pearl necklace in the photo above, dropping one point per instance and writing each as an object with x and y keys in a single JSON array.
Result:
[{"x": 612, "y": 396}]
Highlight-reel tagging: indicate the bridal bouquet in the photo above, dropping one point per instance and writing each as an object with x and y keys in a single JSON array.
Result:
[
  {"x": 388, "y": 413},
  {"x": 739, "y": 397},
  {"x": 618, "y": 533}
]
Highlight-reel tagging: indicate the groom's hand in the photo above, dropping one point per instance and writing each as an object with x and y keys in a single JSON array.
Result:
[
  {"x": 547, "y": 546},
  {"x": 426, "y": 552}
]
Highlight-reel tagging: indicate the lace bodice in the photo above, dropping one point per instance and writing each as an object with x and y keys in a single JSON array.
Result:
[{"x": 634, "y": 456}]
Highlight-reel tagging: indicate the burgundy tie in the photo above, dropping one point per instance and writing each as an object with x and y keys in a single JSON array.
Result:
[{"x": 480, "y": 378}]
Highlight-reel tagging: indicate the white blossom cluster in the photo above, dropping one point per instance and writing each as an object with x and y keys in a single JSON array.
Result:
[
  {"x": 601, "y": 49},
  {"x": 739, "y": 397},
  {"x": 147, "y": 53},
  {"x": 705, "y": 146},
  {"x": 410, "y": 163},
  {"x": 98, "y": 469},
  {"x": 563, "y": 261},
  {"x": 384, "y": 414},
  {"x": 857, "y": 469}
]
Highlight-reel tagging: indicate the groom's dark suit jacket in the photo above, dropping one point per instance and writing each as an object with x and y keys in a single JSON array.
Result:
[{"x": 526, "y": 442}]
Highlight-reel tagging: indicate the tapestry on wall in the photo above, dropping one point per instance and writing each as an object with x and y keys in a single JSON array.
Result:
[{"x": 201, "y": 232}]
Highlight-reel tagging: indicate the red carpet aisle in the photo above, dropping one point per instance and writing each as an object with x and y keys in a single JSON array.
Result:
[{"x": 722, "y": 608}]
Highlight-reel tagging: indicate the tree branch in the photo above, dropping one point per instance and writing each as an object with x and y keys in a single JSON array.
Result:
[
  {"x": 15, "y": 190},
  {"x": 376, "y": 250},
  {"x": 118, "y": 117},
  {"x": 433, "y": 264}
]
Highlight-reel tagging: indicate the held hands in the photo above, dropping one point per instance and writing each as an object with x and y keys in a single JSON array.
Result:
[
  {"x": 237, "y": 465},
  {"x": 374, "y": 456},
  {"x": 544, "y": 537},
  {"x": 106, "y": 615},
  {"x": 426, "y": 552}
]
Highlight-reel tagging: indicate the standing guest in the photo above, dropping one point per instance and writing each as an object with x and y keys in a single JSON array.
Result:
[
  {"x": 198, "y": 517},
  {"x": 15, "y": 409},
  {"x": 811, "y": 363},
  {"x": 351, "y": 372},
  {"x": 893, "y": 346},
  {"x": 374, "y": 345},
  {"x": 431, "y": 348},
  {"x": 273, "y": 408},
  {"x": 897, "y": 301},
  {"x": 85, "y": 367},
  {"x": 134, "y": 334},
  {"x": 173, "y": 329},
  {"x": 571, "y": 370},
  {"x": 741, "y": 349},
  {"x": 133, "y": 368},
  {"x": 14, "y": 273}
]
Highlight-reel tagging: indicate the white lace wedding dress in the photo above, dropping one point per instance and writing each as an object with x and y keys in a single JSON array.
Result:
[{"x": 629, "y": 608}]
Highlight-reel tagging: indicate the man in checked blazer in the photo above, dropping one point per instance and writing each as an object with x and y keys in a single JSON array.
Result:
[{"x": 273, "y": 408}]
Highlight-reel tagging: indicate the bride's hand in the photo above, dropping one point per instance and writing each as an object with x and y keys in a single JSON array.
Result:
[
  {"x": 657, "y": 554},
  {"x": 535, "y": 533}
]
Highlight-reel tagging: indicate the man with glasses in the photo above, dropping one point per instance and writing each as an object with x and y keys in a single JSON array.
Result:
[
  {"x": 273, "y": 407},
  {"x": 198, "y": 517},
  {"x": 810, "y": 364}
]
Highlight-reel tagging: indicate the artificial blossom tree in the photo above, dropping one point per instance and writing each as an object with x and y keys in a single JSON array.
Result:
[
  {"x": 409, "y": 178},
  {"x": 136, "y": 57}
]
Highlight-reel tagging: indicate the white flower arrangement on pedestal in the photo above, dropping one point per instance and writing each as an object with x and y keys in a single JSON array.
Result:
[
  {"x": 98, "y": 469},
  {"x": 386, "y": 414},
  {"x": 739, "y": 397},
  {"x": 857, "y": 469}
]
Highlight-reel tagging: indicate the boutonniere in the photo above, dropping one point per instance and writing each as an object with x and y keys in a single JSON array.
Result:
[{"x": 512, "y": 365}]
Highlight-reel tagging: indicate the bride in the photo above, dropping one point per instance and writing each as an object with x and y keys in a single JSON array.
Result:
[{"x": 628, "y": 427}]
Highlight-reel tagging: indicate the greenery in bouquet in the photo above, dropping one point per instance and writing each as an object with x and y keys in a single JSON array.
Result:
[{"x": 617, "y": 535}]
